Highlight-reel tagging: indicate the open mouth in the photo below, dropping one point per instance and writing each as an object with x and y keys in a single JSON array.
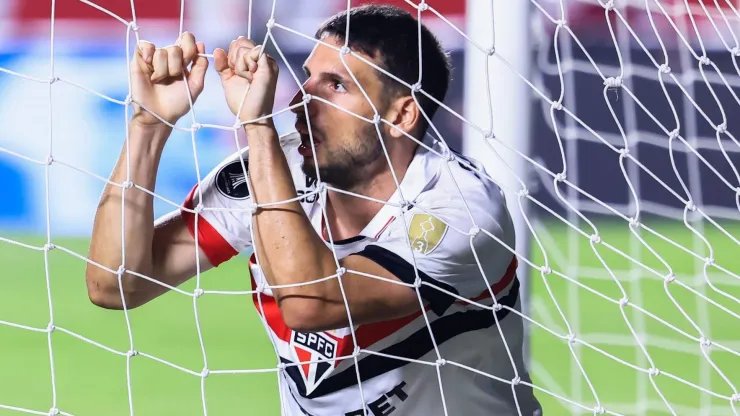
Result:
[{"x": 306, "y": 149}]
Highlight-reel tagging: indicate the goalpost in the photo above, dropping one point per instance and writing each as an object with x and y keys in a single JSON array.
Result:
[{"x": 610, "y": 127}]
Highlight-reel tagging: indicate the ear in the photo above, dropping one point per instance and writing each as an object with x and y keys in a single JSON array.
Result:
[{"x": 405, "y": 115}]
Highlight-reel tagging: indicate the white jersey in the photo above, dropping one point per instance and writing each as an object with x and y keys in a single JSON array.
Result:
[{"x": 330, "y": 381}]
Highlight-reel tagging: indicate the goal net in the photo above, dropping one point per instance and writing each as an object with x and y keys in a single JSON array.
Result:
[{"x": 609, "y": 126}]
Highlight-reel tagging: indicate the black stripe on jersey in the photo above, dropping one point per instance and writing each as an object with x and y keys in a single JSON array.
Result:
[
  {"x": 413, "y": 347},
  {"x": 348, "y": 240},
  {"x": 439, "y": 301}
]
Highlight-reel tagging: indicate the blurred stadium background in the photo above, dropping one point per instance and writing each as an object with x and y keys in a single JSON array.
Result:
[{"x": 87, "y": 132}]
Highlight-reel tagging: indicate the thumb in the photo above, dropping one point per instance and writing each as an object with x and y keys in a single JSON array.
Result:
[
  {"x": 221, "y": 63},
  {"x": 199, "y": 67}
]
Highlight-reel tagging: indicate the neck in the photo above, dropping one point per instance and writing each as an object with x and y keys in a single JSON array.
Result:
[{"x": 348, "y": 215}]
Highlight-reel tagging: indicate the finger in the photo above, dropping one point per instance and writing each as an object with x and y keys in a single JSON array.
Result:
[
  {"x": 221, "y": 62},
  {"x": 159, "y": 63},
  {"x": 174, "y": 61},
  {"x": 189, "y": 48},
  {"x": 235, "y": 45},
  {"x": 241, "y": 68},
  {"x": 144, "y": 55},
  {"x": 196, "y": 81}
]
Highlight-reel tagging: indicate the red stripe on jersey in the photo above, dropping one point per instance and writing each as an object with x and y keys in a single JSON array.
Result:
[
  {"x": 368, "y": 335},
  {"x": 390, "y": 220},
  {"x": 498, "y": 286},
  {"x": 213, "y": 245},
  {"x": 267, "y": 306}
]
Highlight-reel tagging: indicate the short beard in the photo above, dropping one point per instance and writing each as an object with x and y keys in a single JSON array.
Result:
[{"x": 348, "y": 168}]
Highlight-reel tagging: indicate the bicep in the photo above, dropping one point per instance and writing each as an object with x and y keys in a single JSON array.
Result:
[{"x": 374, "y": 293}]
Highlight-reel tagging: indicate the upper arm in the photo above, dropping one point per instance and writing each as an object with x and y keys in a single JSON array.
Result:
[{"x": 435, "y": 246}]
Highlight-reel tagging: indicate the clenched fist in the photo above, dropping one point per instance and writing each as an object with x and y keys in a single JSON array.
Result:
[
  {"x": 157, "y": 79},
  {"x": 241, "y": 68}
]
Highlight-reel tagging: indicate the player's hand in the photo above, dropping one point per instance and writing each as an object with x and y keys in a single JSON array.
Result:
[
  {"x": 241, "y": 68},
  {"x": 157, "y": 79}
]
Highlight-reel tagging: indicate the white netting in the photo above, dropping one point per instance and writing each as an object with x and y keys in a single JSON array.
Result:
[{"x": 709, "y": 282}]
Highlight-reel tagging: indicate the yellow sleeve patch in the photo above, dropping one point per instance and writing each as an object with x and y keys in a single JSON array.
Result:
[{"x": 426, "y": 232}]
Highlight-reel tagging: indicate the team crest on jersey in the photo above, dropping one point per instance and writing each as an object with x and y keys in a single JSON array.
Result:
[
  {"x": 231, "y": 181},
  {"x": 314, "y": 346},
  {"x": 426, "y": 232}
]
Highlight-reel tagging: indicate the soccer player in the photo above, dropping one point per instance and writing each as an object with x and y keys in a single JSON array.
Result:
[{"x": 400, "y": 250}]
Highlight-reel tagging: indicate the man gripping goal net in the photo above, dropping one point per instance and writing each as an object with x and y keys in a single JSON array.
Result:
[{"x": 383, "y": 263}]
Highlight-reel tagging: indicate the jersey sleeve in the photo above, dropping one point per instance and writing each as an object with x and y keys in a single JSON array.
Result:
[
  {"x": 223, "y": 225},
  {"x": 433, "y": 238}
]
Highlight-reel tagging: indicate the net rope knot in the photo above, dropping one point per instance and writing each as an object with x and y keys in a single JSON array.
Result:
[
  {"x": 557, "y": 105},
  {"x": 127, "y": 184},
  {"x": 709, "y": 261},
  {"x": 624, "y": 301},
  {"x": 133, "y": 26},
  {"x": 561, "y": 23},
  {"x": 237, "y": 125},
  {"x": 416, "y": 87},
  {"x": 49, "y": 160},
  {"x": 624, "y": 151},
  {"x": 196, "y": 126},
  {"x": 722, "y": 128},
  {"x": 690, "y": 206},
  {"x": 423, "y": 6},
  {"x": 516, "y": 380},
  {"x": 376, "y": 119},
  {"x": 48, "y": 247},
  {"x": 341, "y": 271},
  {"x": 653, "y": 372},
  {"x": 120, "y": 270},
  {"x": 497, "y": 307},
  {"x": 599, "y": 410},
  {"x": 53, "y": 80},
  {"x": 253, "y": 208},
  {"x": 307, "y": 98},
  {"x": 491, "y": 51},
  {"x": 128, "y": 100},
  {"x": 51, "y": 327},
  {"x": 198, "y": 292},
  {"x": 664, "y": 69},
  {"x": 281, "y": 366},
  {"x": 613, "y": 82},
  {"x": 270, "y": 23},
  {"x": 560, "y": 177},
  {"x": 595, "y": 238},
  {"x": 205, "y": 372},
  {"x": 735, "y": 397},
  {"x": 441, "y": 362},
  {"x": 571, "y": 338},
  {"x": 545, "y": 270},
  {"x": 705, "y": 342},
  {"x": 344, "y": 50},
  {"x": 673, "y": 134},
  {"x": 417, "y": 282},
  {"x": 474, "y": 230},
  {"x": 704, "y": 60},
  {"x": 53, "y": 411},
  {"x": 198, "y": 208},
  {"x": 131, "y": 353},
  {"x": 524, "y": 192},
  {"x": 356, "y": 351},
  {"x": 634, "y": 222},
  {"x": 609, "y": 5},
  {"x": 735, "y": 51},
  {"x": 670, "y": 277}
]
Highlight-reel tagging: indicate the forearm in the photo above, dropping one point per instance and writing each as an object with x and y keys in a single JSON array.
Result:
[
  {"x": 289, "y": 250},
  {"x": 144, "y": 151}
]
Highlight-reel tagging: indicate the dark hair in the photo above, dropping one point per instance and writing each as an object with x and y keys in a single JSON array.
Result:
[{"x": 390, "y": 35}]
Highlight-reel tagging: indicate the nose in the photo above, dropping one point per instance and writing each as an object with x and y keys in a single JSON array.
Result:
[{"x": 298, "y": 98}]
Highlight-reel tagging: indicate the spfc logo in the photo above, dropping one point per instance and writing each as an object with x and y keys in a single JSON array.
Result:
[{"x": 309, "y": 348}]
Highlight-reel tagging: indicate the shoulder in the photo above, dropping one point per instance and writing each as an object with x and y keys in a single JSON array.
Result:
[{"x": 462, "y": 197}]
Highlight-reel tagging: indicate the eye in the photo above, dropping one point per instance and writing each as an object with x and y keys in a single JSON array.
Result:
[{"x": 338, "y": 86}]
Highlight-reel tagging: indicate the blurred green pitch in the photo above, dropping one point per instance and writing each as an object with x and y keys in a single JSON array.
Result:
[{"x": 92, "y": 381}]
